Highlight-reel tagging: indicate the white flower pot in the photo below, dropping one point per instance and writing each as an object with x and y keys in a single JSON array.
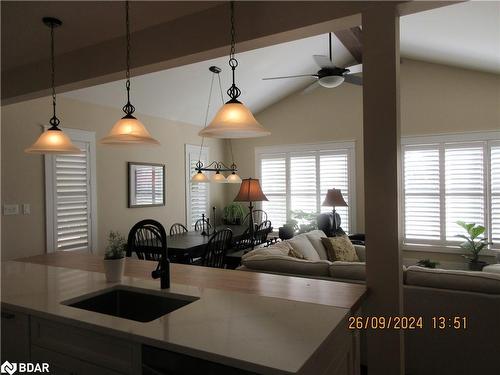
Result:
[{"x": 114, "y": 269}]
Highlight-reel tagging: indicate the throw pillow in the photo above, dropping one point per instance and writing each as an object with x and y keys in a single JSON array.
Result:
[
  {"x": 302, "y": 245},
  {"x": 295, "y": 254},
  {"x": 340, "y": 248}
]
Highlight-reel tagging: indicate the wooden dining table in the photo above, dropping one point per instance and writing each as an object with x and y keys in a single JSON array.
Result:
[{"x": 190, "y": 245}]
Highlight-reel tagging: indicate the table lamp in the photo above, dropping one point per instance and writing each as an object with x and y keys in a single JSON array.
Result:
[
  {"x": 334, "y": 199},
  {"x": 250, "y": 191}
]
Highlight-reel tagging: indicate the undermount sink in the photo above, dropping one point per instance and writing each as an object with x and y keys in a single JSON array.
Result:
[{"x": 131, "y": 303}]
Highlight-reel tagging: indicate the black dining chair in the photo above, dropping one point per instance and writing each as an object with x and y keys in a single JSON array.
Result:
[
  {"x": 216, "y": 249},
  {"x": 198, "y": 225},
  {"x": 243, "y": 242},
  {"x": 147, "y": 238},
  {"x": 177, "y": 228},
  {"x": 263, "y": 230},
  {"x": 259, "y": 216}
]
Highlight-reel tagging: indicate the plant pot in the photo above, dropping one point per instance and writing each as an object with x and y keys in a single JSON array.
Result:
[
  {"x": 286, "y": 232},
  {"x": 114, "y": 269},
  {"x": 477, "y": 265}
]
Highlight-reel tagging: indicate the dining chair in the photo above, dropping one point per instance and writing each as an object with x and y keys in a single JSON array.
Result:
[
  {"x": 216, "y": 249},
  {"x": 263, "y": 230},
  {"x": 259, "y": 216},
  {"x": 243, "y": 242},
  {"x": 198, "y": 225},
  {"x": 147, "y": 238},
  {"x": 177, "y": 228}
]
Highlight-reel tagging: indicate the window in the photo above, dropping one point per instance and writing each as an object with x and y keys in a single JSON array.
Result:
[
  {"x": 297, "y": 177},
  {"x": 197, "y": 194},
  {"x": 70, "y": 196},
  {"x": 450, "y": 178}
]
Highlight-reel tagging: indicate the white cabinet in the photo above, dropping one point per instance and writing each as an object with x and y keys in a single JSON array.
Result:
[{"x": 15, "y": 336}]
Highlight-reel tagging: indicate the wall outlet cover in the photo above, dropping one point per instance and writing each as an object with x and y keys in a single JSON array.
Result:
[{"x": 10, "y": 209}]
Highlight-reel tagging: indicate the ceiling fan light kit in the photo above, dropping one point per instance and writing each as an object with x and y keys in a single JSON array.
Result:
[
  {"x": 128, "y": 130},
  {"x": 53, "y": 140},
  {"x": 331, "y": 81},
  {"x": 234, "y": 120}
]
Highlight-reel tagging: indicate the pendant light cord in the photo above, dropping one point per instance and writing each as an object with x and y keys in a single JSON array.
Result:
[
  {"x": 206, "y": 115},
  {"x": 233, "y": 92},
  {"x": 54, "y": 121},
  {"x": 128, "y": 108}
]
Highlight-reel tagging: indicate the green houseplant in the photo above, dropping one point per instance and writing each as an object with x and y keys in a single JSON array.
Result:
[
  {"x": 234, "y": 213},
  {"x": 427, "y": 263},
  {"x": 473, "y": 244},
  {"x": 114, "y": 257}
]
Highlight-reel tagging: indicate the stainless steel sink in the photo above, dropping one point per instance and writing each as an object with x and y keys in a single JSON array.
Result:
[{"x": 131, "y": 303}]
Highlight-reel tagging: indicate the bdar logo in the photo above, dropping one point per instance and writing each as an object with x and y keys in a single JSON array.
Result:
[{"x": 8, "y": 368}]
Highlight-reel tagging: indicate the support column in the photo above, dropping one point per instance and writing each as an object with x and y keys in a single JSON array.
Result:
[{"x": 381, "y": 137}]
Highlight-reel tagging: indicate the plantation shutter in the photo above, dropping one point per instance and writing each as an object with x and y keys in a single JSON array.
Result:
[
  {"x": 148, "y": 184},
  {"x": 464, "y": 187},
  {"x": 273, "y": 183},
  {"x": 72, "y": 203},
  {"x": 334, "y": 173},
  {"x": 303, "y": 188},
  {"x": 495, "y": 194},
  {"x": 198, "y": 193}
]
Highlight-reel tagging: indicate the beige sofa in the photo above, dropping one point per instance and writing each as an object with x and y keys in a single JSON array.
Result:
[{"x": 427, "y": 293}]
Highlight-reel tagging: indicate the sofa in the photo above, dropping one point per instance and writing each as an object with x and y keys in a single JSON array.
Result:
[{"x": 427, "y": 293}]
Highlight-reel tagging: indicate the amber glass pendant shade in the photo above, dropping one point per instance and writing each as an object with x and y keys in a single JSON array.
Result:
[
  {"x": 128, "y": 130},
  {"x": 53, "y": 141},
  {"x": 199, "y": 177}
]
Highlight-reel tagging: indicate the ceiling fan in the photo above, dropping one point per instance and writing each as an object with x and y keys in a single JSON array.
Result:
[{"x": 329, "y": 75}]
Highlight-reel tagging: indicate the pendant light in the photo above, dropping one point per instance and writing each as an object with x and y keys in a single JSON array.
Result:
[
  {"x": 53, "y": 140},
  {"x": 128, "y": 130},
  {"x": 234, "y": 120}
]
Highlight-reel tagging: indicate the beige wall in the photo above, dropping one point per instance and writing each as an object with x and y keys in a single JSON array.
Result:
[
  {"x": 23, "y": 179},
  {"x": 435, "y": 99}
]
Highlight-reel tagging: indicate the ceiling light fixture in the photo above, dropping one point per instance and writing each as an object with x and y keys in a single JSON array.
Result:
[
  {"x": 128, "y": 130},
  {"x": 215, "y": 166},
  {"x": 234, "y": 120},
  {"x": 53, "y": 140}
]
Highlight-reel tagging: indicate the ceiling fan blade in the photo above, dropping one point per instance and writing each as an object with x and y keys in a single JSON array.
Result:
[
  {"x": 323, "y": 61},
  {"x": 355, "y": 80},
  {"x": 358, "y": 68},
  {"x": 297, "y": 76},
  {"x": 310, "y": 88}
]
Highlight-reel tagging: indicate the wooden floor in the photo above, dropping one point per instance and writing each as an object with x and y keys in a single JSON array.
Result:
[{"x": 324, "y": 292}]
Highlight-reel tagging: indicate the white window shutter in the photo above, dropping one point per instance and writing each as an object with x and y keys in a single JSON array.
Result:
[
  {"x": 303, "y": 188},
  {"x": 273, "y": 183},
  {"x": 72, "y": 208},
  {"x": 495, "y": 194},
  {"x": 198, "y": 194},
  {"x": 421, "y": 184},
  {"x": 148, "y": 184}
]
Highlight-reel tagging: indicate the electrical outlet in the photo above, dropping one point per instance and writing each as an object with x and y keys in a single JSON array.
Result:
[
  {"x": 10, "y": 209},
  {"x": 26, "y": 209}
]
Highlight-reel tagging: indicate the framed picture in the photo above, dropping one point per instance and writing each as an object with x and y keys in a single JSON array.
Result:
[{"x": 146, "y": 184}]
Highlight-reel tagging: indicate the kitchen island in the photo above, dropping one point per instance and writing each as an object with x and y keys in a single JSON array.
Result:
[{"x": 233, "y": 323}]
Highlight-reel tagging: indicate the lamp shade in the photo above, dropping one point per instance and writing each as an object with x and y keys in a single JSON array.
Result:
[
  {"x": 250, "y": 191},
  {"x": 53, "y": 141},
  {"x": 128, "y": 130},
  {"x": 199, "y": 177},
  {"x": 233, "y": 178},
  {"x": 334, "y": 198},
  {"x": 331, "y": 81},
  {"x": 234, "y": 120},
  {"x": 218, "y": 177}
]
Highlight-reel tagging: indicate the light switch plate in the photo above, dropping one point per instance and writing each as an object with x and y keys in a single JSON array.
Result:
[
  {"x": 10, "y": 209},
  {"x": 26, "y": 209}
]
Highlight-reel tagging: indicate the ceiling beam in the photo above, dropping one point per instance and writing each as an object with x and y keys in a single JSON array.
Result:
[{"x": 351, "y": 39}]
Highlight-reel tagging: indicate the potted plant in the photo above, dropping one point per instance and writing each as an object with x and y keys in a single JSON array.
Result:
[
  {"x": 473, "y": 244},
  {"x": 234, "y": 214},
  {"x": 114, "y": 257},
  {"x": 427, "y": 263}
]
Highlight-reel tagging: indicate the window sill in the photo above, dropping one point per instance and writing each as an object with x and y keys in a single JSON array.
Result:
[{"x": 444, "y": 249}]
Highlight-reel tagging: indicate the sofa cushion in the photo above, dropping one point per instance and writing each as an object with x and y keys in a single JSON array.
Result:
[
  {"x": 472, "y": 281},
  {"x": 302, "y": 245},
  {"x": 271, "y": 250},
  {"x": 340, "y": 248},
  {"x": 360, "y": 252},
  {"x": 348, "y": 270},
  {"x": 315, "y": 238},
  {"x": 286, "y": 264}
]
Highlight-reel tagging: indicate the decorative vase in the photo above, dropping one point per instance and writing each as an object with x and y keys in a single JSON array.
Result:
[
  {"x": 114, "y": 269},
  {"x": 477, "y": 265},
  {"x": 286, "y": 232}
]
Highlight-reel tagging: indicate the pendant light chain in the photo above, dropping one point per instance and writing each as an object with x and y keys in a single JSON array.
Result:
[
  {"x": 233, "y": 92},
  {"x": 54, "y": 121},
  {"x": 206, "y": 117},
  {"x": 128, "y": 108}
]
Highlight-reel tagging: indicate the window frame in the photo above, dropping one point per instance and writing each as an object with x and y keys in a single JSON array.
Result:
[
  {"x": 76, "y": 135},
  {"x": 193, "y": 149},
  {"x": 305, "y": 149},
  {"x": 487, "y": 139}
]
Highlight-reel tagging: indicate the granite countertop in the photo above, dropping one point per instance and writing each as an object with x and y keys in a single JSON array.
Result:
[{"x": 248, "y": 331}]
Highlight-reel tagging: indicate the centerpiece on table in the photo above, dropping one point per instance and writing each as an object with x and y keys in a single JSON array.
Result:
[
  {"x": 473, "y": 244},
  {"x": 114, "y": 257}
]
